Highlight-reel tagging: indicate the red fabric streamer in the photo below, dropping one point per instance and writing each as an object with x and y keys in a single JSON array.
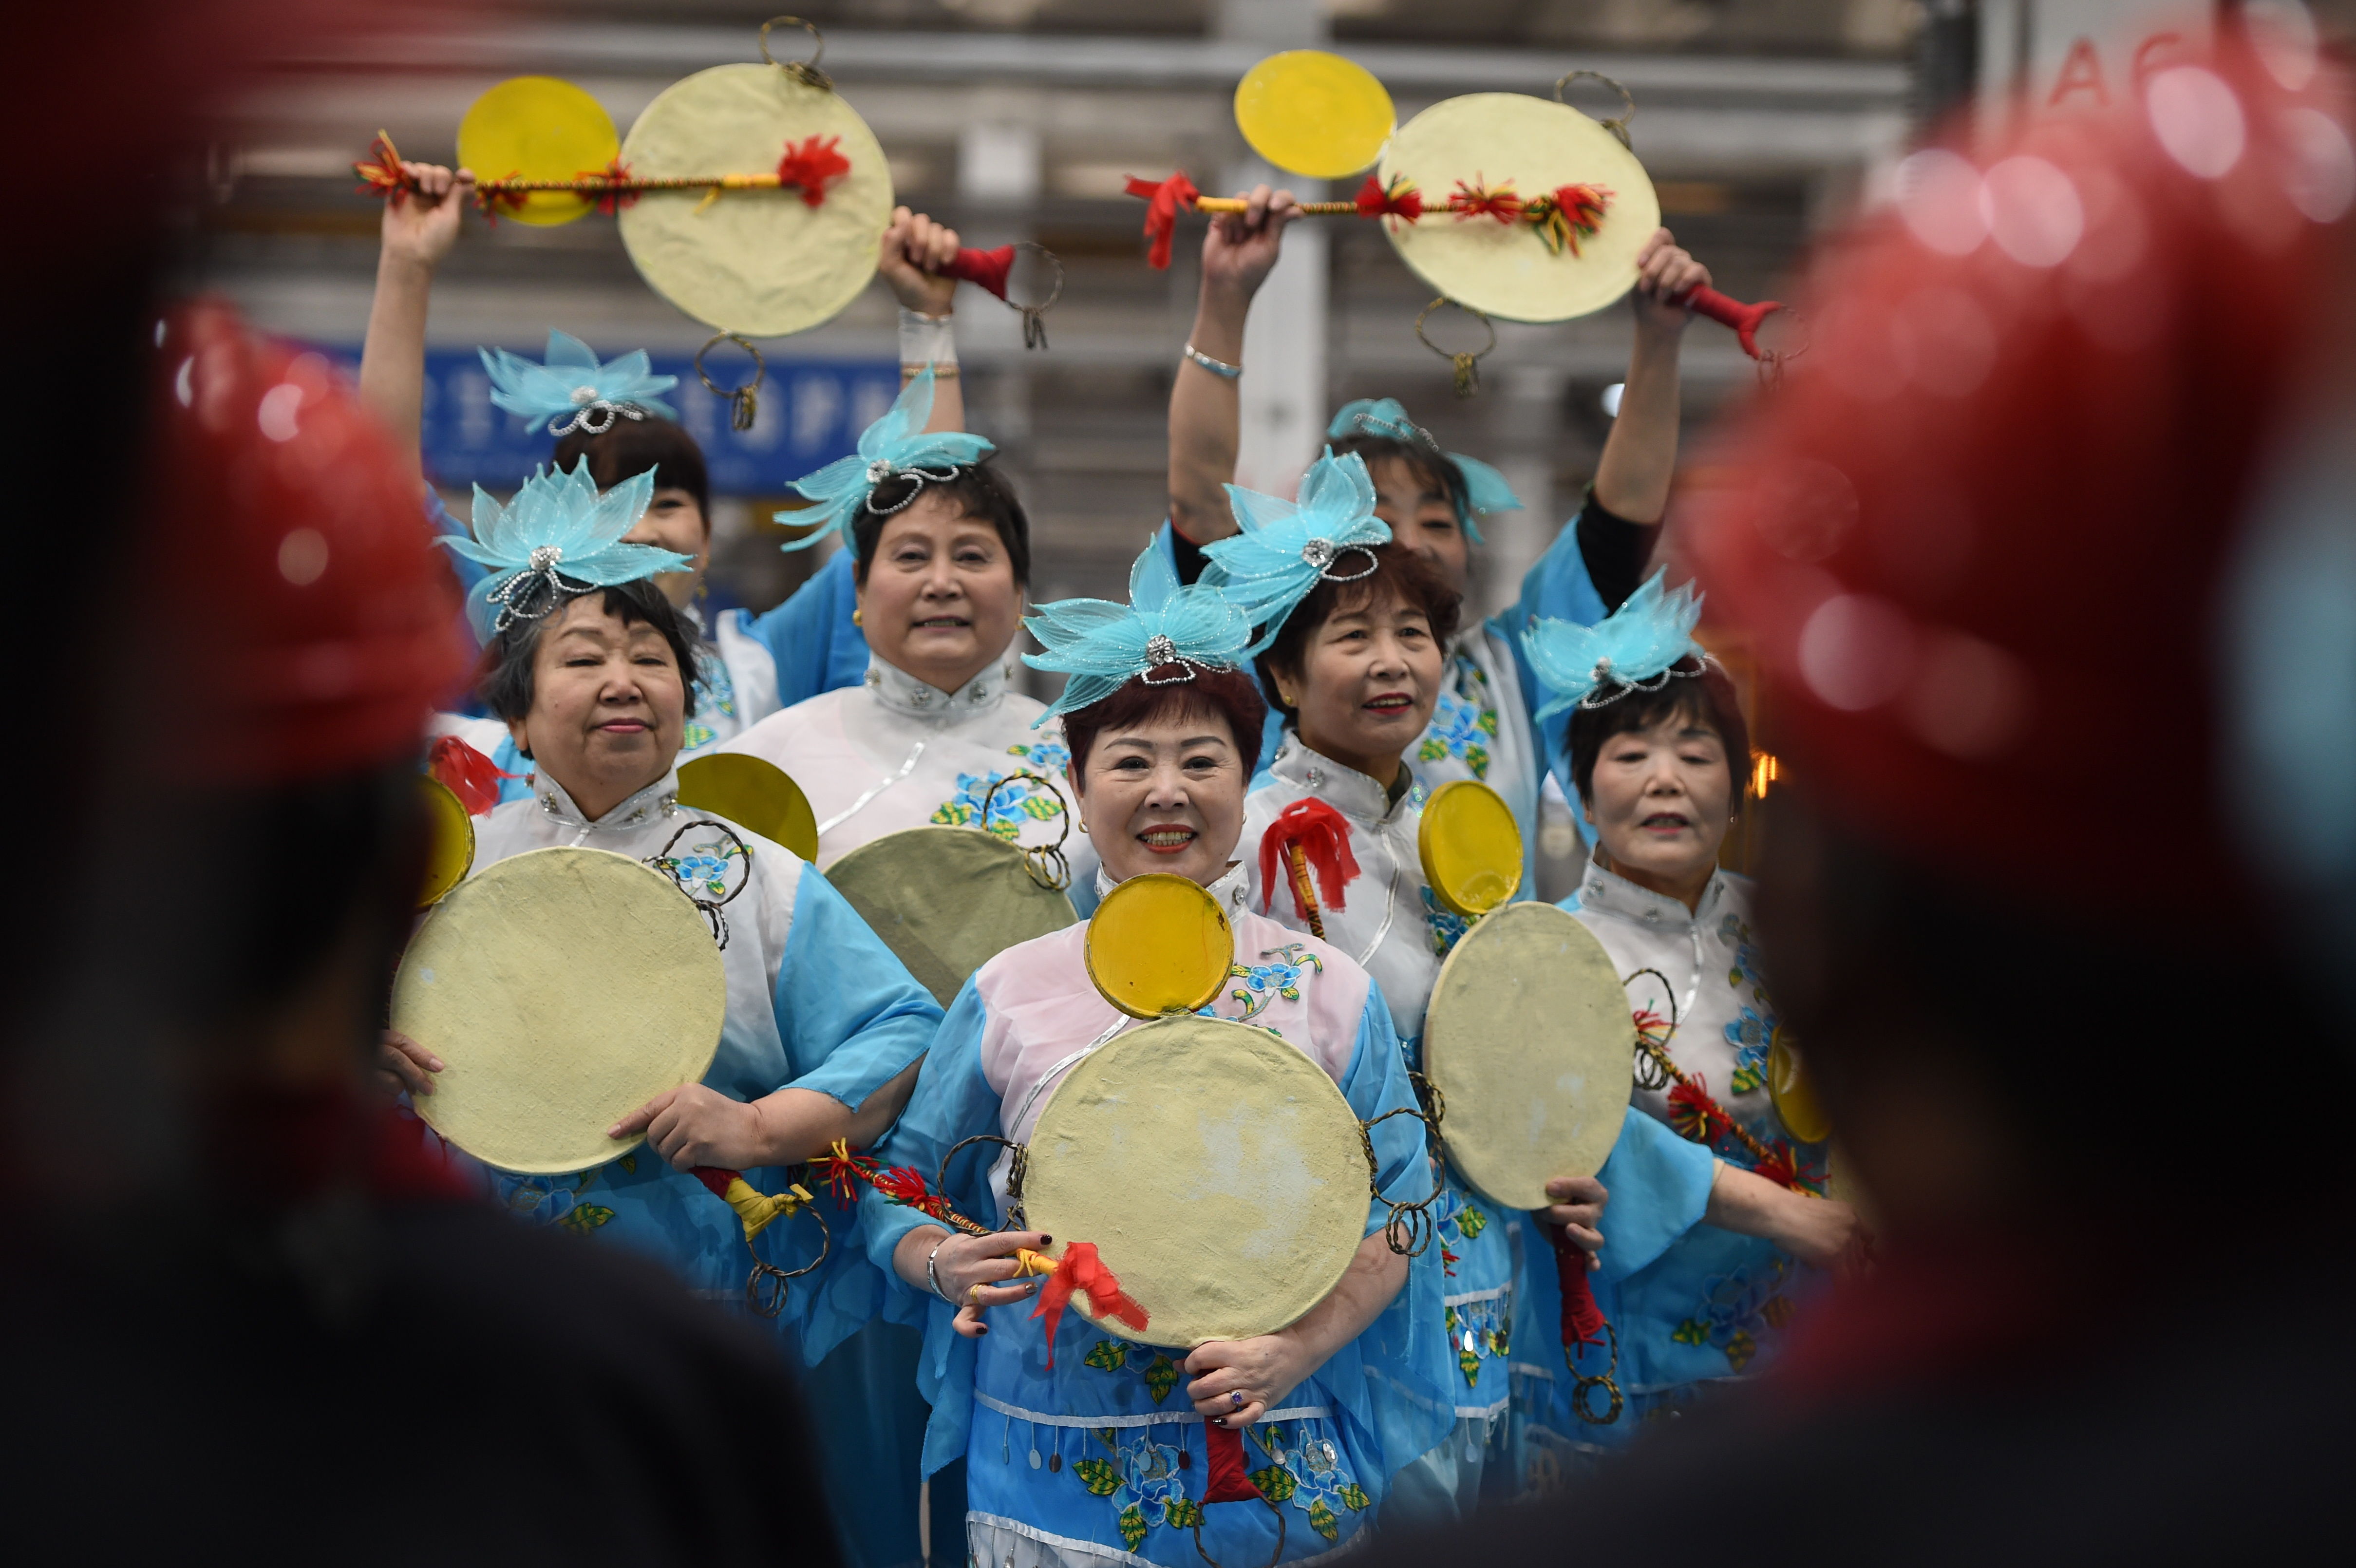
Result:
[
  {"x": 984, "y": 269},
  {"x": 1225, "y": 1478},
  {"x": 907, "y": 1187},
  {"x": 1476, "y": 201},
  {"x": 1583, "y": 1320},
  {"x": 811, "y": 167},
  {"x": 1695, "y": 1114},
  {"x": 1401, "y": 200},
  {"x": 1163, "y": 203},
  {"x": 1324, "y": 836},
  {"x": 1081, "y": 1269},
  {"x": 467, "y": 773}
]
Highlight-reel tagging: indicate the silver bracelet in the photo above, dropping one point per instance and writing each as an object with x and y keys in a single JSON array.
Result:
[
  {"x": 1218, "y": 368},
  {"x": 931, "y": 1278}
]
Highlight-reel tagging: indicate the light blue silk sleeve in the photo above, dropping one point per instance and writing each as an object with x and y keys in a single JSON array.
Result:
[
  {"x": 850, "y": 1014},
  {"x": 952, "y": 1101},
  {"x": 1391, "y": 1381},
  {"x": 816, "y": 644},
  {"x": 1659, "y": 1186},
  {"x": 1556, "y": 588}
]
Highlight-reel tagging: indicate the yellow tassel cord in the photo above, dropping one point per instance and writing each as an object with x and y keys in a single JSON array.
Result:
[{"x": 757, "y": 1209}]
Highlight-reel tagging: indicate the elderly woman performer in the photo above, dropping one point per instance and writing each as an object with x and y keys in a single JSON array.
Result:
[
  {"x": 1102, "y": 1456},
  {"x": 1657, "y": 746},
  {"x": 587, "y": 663}
]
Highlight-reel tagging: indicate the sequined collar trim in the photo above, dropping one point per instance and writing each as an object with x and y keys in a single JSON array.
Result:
[
  {"x": 660, "y": 798},
  {"x": 1233, "y": 890},
  {"x": 1349, "y": 791},
  {"x": 904, "y": 693},
  {"x": 1610, "y": 893}
]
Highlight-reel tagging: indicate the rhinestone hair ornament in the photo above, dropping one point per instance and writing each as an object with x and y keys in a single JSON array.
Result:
[
  {"x": 897, "y": 447},
  {"x": 572, "y": 390},
  {"x": 557, "y": 540},
  {"x": 1637, "y": 648},
  {"x": 1327, "y": 533},
  {"x": 1103, "y": 646},
  {"x": 1485, "y": 489}
]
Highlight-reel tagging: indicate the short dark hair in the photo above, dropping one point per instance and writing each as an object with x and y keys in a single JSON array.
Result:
[
  {"x": 979, "y": 490},
  {"x": 505, "y": 682},
  {"x": 1225, "y": 694},
  {"x": 1432, "y": 467},
  {"x": 629, "y": 447},
  {"x": 1707, "y": 698},
  {"x": 1399, "y": 572}
]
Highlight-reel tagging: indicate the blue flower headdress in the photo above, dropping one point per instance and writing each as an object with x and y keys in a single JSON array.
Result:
[
  {"x": 1644, "y": 640},
  {"x": 1485, "y": 489},
  {"x": 572, "y": 390},
  {"x": 1103, "y": 646},
  {"x": 556, "y": 540},
  {"x": 1329, "y": 531},
  {"x": 897, "y": 447}
]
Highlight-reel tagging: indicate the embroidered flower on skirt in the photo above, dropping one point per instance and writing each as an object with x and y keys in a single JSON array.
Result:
[
  {"x": 1159, "y": 1373},
  {"x": 1143, "y": 1479},
  {"x": 1480, "y": 1333},
  {"x": 1306, "y": 1469},
  {"x": 1739, "y": 1311}
]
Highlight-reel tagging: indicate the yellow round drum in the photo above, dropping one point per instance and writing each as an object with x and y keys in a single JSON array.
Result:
[
  {"x": 562, "y": 989},
  {"x": 1313, "y": 112},
  {"x": 752, "y": 792},
  {"x": 538, "y": 128}
]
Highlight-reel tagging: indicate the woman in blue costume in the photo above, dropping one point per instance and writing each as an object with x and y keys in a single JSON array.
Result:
[
  {"x": 824, "y": 1027},
  {"x": 1101, "y": 1458},
  {"x": 1479, "y": 725},
  {"x": 1654, "y": 735},
  {"x": 611, "y": 415},
  {"x": 1353, "y": 629}
]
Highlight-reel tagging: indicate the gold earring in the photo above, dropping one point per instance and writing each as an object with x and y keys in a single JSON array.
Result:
[{"x": 857, "y": 618}]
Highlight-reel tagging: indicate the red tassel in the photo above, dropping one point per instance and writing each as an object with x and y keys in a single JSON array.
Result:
[
  {"x": 811, "y": 167},
  {"x": 1324, "y": 835},
  {"x": 613, "y": 174},
  {"x": 844, "y": 1175},
  {"x": 985, "y": 269},
  {"x": 1695, "y": 1114},
  {"x": 1163, "y": 203},
  {"x": 1474, "y": 202},
  {"x": 1081, "y": 1269},
  {"x": 907, "y": 1187},
  {"x": 1401, "y": 200},
  {"x": 1583, "y": 204},
  {"x": 467, "y": 773},
  {"x": 382, "y": 173},
  {"x": 1583, "y": 1320},
  {"x": 1224, "y": 1479},
  {"x": 488, "y": 201}
]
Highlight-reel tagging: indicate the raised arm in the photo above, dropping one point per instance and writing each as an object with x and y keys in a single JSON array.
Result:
[
  {"x": 914, "y": 251},
  {"x": 1205, "y": 406},
  {"x": 418, "y": 230},
  {"x": 1640, "y": 455}
]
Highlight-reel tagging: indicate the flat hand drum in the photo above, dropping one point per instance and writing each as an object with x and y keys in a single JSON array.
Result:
[
  {"x": 947, "y": 900},
  {"x": 762, "y": 262},
  {"x": 1491, "y": 139},
  {"x": 562, "y": 989},
  {"x": 1528, "y": 1039},
  {"x": 1217, "y": 1169}
]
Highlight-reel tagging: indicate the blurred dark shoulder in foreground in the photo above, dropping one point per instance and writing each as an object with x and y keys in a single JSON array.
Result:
[{"x": 403, "y": 1382}]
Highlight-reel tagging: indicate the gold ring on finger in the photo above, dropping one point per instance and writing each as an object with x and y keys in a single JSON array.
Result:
[{"x": 973, "y": 1294}]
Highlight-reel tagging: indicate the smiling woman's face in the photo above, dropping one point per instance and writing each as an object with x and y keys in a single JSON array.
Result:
[
  {"x": 1165, "y": 794},
  {"x": 1660, "y": 799},
  {"x": 1367, "y": 680},
  {"x": 608, "y": 707},
  {"x": 941, "y": 601}
]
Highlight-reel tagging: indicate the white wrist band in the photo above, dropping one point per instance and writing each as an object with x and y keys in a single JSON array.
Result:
[
  {"x": 926, "y": 340},
  {"x": 1218, "y": 368}
]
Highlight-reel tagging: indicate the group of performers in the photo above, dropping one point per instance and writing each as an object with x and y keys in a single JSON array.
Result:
[{"x": 1280, "y": 662}]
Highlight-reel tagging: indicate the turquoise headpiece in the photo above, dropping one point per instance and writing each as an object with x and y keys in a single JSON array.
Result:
[
  {"x": 556, "y": 540},
  {"x": 573, "y": 391},
  {"x": 1103, "y": 646},
  {"x": 1485, "y": 489},
  {"x": 897, "y": 447},
  {"x": 1642, "y": 641},
  {"x": 1328, "y": 531}
]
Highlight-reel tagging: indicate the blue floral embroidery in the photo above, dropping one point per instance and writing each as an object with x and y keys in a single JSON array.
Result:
[
  {"x": 1479, "y": 1333},
  {"x": 1737, "y": 1310},
  {"x": 696, "y": 735},
  {"x": 1447, "y": 930},
  {"x": 703, "y": 867},
  {"x": 1463, "y": 721},
  {"x": 1014, "y": 804},
  {"x": 1148, "y": 1474},
  {"x": 1752, "y": 1032},
  {"x": 1306, "y": 1469},
  {"x": 1264, "y": 982}
]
